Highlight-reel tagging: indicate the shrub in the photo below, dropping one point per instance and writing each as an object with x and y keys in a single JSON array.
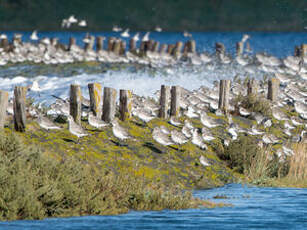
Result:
[{"x": 254, "y": 103}]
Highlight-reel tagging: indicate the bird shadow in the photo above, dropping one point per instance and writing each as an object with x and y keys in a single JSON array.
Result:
[
  {"x": 153, "y": 148},
  {"x": 69, "y": 140},
  {"x": 118, "y": 143}
]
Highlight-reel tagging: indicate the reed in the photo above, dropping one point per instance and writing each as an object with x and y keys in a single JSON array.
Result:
[{"x": 298, "y": 163}]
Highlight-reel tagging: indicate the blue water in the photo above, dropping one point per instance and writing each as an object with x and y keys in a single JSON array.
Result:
[
  {"x": 253, "y": 208},
  {"x": 277, "y": 44}
]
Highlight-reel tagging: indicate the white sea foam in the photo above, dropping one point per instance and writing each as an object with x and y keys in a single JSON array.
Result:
[{"x": 141, "y": 83}]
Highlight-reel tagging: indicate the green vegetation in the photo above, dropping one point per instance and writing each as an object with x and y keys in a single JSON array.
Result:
[
  {"x": 171, "y": 15},
  {"x": 255, "y": 103},
  {"x": 34, "y": 185}
]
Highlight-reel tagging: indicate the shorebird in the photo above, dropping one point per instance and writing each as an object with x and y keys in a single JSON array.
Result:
[
  {"x": 270, "y": 139},
  {"x": 45, "y": 123},
  {"x": 72, "y": 19},
  {"x": 206, "y": 134},
  {"x": 161, "y": 137},
  {"x": 34, "y": 36},
  {"x": 301, "y": 108},
  {"x": 198, "y": 140},
  {"x": 178, "y": 137},
  {"x": 136, "y": 37},
  {"x": 187, "y": 34},
  {"x": 164, "y": 130},
  {"x": 116, "y": 28},
  {"x": 95, "y": 121},
  {"x": 210, "y": 122},
  {"x": 190, "y": 113},
  {"x": 188, "y": 124},
  {"x": 279, "y": 115},
  {"x": 203, "y": 161},
  {"x": 244, "y": 112},
  {"x": 142, "y": 114},
  {"x": 75, "y": 129},
  {"x": 186, "y": 131},
  {"x": 232, "y": 132},
  {"x": 255, "y": 131},
  {"x": 175, "y": 121},
  {"x": 158, "y": 29},
  {"x": 82, "y": 23},
  {"x": 146, "y": 37},
  {"x": 119, "y": 131},
  {"x": 125, "y": 34}
]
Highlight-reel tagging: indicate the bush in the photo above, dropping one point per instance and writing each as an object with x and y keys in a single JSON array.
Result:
[
  {"x": 35, "y": 186},
  {"x": 254, "y": 104}
]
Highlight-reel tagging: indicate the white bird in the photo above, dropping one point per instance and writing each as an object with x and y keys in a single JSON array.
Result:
[
  {"x": 34, "y": 36},
  {"x": 45, "y": 123},
  {"x": 35, "y": 87},
  {"x": 119, "y": 132},
  {"x": 206, "y": 134},
  {"x": 146, "y": 37},
  {"x": 164, "y": 130},
  {"x": 82, "y": 23},
  {"x": 125, "y": 34},
  {"x": 186, "y": 34},
  {"x": 3, "y": 36},
  {"x": 116, "y": 28},
  {"x": 209, "y": 122},
  {"x": 203, "y": 161},
  {"x": 245, "y": 38},
  {"x": 178, "y": 137},
  {"x": 95, "y": 121},
  {"x": 175, "y": 121},
  {"x": 72, "y": 19},
  {"x": 161, "y": 137},
  {"x": 233, "y": 133},
  {"x": 198, "y": 140},
  {"x": 74, "y": 128},
  {"x": 144, "y": 115},
  {"x": 158, "y": 29},
  {"x": 136, "y": 37},
  {"x": 244, "y": 112}
]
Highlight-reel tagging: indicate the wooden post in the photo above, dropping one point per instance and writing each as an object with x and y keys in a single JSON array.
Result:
[
  {"x": 273, "y": 88},
  {"x": 303, "y": 50},
  {"x": 5, "y": 44},
  {"x": 75, "y": 103},
  {"x": 163, "y": 49},
  {"x": 110, "y": 44},
  {"x": 95, "y": 92},
  {"x": 219, "y": 48},
  {"x": 170, "y": 48},
  {"x": 192, "y": 47},
  {"x": 132, "y": 45},
  {"x": 90, "y": 44},
  {"x": 116, "y": 46},
  {"x": 224, "y": 95},
  {"x": 109, "y": 104},
  {"x": 19, "y": 107},
  {"x": 252, "y": 87},
  {"x": 155, "y": 47},
  {"x": 122, "y": 47},
  {"x": 164, "y": 101},
  {"x": 72, "y": 42},
  {"x": 177, "y": 49},
  {"x": 175, "y": 100},
  {"x": 3, "y": 106},
  {"x": 297, "y": 51},
  {"x": 239, "y": 48},
  {"x": 99, "y": 43},
  {"x": 125, "y": 104}
]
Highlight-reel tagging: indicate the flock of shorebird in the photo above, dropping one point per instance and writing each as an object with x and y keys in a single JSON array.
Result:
[{"x": 202, "y": 104}]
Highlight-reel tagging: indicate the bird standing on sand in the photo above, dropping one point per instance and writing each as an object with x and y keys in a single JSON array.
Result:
[
  {"x": 178, "y": 137},
  {"x": 161, "y": 137},
  {"x": 198, "y": 140},
  {"x": 203, "y": 161},
  {"x": 75, "y": 129}
]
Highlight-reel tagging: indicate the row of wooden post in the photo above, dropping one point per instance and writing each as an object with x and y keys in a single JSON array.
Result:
[{"x": 169, "y": 101}]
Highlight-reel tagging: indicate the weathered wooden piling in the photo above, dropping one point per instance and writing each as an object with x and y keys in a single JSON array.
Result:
[
  {"x": 177, "y": 49},
  {"x": 109, "y": 104},
  {"x": 4, "y": 44},
  {"x": 122, "y": 47},
  {"x": 75, "y": 102},
  {"x": 89, "y": 45},
  {"x": 19, "y": 107},
  {"x": 132, "y": 45},
  {"x": 95, "y": 92},
  {"x": 99, "y": 43},
  {"x": 297, "y": 51},
  {"x": 224, "y": 95},
  {"x": 175, "y": 100},
  {"x": 125, "y": 104},
  {"x": 110, "y": 44},
  {"x": 303, "y": 50},
  {"x": 163, "y": 49},
  {"x": 239, "y": 48},
  {"x": 192, "y": 46},
  {"x": 116, "y": 47},
  {"x": 4, "y": 96},
  {"x": 219, "y": 48},
  {"x": 72, "y": 42},
  {"x": 155, "y": 47},
  {"x": 252, "y": 87},
  {"x": 170, "y": 48},
  {"x": 164, "y": 101},
  {"x": 273, "y": 89}
]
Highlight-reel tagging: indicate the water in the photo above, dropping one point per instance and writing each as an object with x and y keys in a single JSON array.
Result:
[
  {"x": 254, "y": 208},
  {"x": 277, "y": 44}
]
